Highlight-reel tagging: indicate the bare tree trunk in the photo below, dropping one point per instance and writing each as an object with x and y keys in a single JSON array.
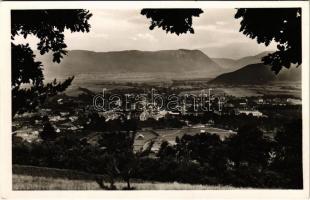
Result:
[
  {"x": 128, "y": 183},
  {"x": 112, "y": 186}
]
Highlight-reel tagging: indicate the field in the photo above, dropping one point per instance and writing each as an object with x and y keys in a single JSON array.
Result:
[
  {"x": 193, "y": 85},
  {"x": 24, "y": 182},
  {"x": 49, "y": 179},
  {"x": 169, "y": 135},
  {"x": 275, "y": 88}
]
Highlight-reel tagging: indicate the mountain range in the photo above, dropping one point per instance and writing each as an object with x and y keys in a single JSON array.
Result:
[
  {"x": 178, "y": 63},
  {"x": 230, "y": 65},
  {"x": 257, "y": 74},
  {"x": 164, "y": 65}
]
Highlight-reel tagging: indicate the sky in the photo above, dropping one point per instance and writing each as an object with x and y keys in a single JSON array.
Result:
[{"x": 216, "y": 33}]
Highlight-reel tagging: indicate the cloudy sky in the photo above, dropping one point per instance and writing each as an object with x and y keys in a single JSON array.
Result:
[{"x": 216, "y": 33}]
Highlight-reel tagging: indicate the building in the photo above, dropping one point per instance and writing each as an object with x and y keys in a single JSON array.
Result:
[
  {"x": 260, "y": 101},
  {"x": 255, "y": 113},
  {"x": 60, "y": 101},
  {"x": 292, "y": 101}
]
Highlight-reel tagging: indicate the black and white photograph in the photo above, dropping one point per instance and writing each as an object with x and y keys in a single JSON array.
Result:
[{"x": 155, "y": 98}]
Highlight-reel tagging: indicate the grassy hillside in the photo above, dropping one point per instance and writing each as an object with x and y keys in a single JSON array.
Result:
[
  {"x": 25, "y": 182},
  {"x": 258, "y": 74},
  {"x": 52, "y": 173},
  {"x": 40, "y": 178}
]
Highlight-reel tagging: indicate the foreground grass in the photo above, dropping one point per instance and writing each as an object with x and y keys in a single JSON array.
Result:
[
  {"x": 27, "y": 177},
  {"x": 27, "y": 182}
]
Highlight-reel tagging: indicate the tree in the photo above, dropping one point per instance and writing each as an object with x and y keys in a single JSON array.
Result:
[
  {"x": 120, "y": 160},
  {"x": 48, "y": 133},
  {"x": 283, "y": 25},
  {"x": 249, "y": 154},
  {"x": 249, "y": 147},
  {"x": 176, "y": 21},
  {"x": 200, "y": 147},
  {"x": 118, "y": 152},
  {"x": 48, "y": 26},
  {"x": 289, "y": 154},
  {"x": 166, "y": 150}
]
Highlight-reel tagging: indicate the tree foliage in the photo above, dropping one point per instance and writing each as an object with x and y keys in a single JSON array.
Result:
[
  {"x": 289, "y": 154},
  {"x": 176, "y": 21},
  {"x": 118, "y": 152},
  {"x": 48, "y": 133},
  {"x": 120, "y": 158},
  {"x": 282, "y": 25},
  {"x": 249, "y": 147},
  {"x": 48, "y": 26}
]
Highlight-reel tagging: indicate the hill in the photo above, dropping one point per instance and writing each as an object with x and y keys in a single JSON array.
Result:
[
  {"x": 230, "y": 65},
  {"x": 178, "y": 63},
  {"x": 257, "y": 74},
  {"x": 43, "y": 178}
]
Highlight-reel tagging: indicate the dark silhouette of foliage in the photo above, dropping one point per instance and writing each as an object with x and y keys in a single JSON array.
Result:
[
  {"x": 118, "y": 152},
  {"x": 96, "y": 122},
  {"x": 48, "y": 133},
  {"x": 283, "y": 25},
  {"x": 289, "y": 154},
  {"x": 48, "y": 26},
  {"x": 249, "y": 147},
  {"x": 176, "y": 21},
  {"x": 166, "y": 150},
  {"x": 201, "y": 147},
  {"x": 25, "y": 69},
  {"x": 120, "y": 159}
]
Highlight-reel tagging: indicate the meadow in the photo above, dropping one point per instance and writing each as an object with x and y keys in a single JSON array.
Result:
[{"x": 41, "y": 178}]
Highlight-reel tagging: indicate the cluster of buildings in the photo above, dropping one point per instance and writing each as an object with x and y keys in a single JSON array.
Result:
[{"x": 71, "y": 117}]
